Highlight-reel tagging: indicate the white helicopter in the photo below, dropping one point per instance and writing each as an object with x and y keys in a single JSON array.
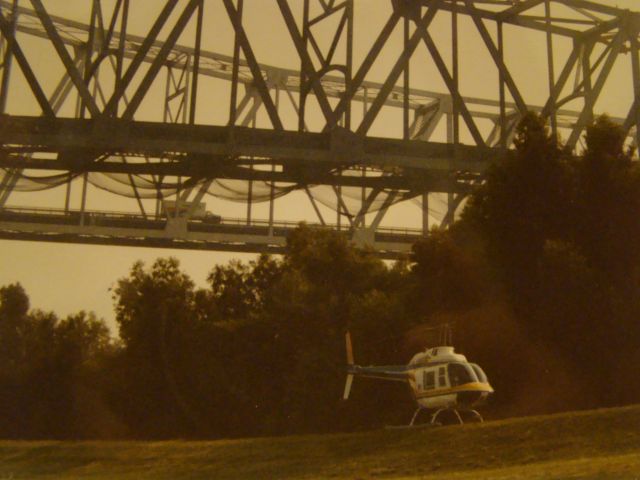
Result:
[{"x": 440, "y": 379}]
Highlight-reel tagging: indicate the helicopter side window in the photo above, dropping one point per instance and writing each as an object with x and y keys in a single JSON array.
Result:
[
  {"x": 429, "y": 379},
  {"x": 442, "y": 377},
  {"x": 459, "y": 374},
  {"x": 482, "y": 377}
]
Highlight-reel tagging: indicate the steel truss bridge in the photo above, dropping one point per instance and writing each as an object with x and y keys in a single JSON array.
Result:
[{"x": 139, "y": 100}]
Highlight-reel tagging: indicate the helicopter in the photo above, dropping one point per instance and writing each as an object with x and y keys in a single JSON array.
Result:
[{"x": 440, "y": 379}]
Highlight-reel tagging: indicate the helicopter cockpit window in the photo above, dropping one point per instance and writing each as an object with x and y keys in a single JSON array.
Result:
[
  {"x": 482, "y": 377},
  {"x": 459, "y": 374}
]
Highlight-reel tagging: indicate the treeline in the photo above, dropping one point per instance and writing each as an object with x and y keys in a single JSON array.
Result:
[{"x": 540, "y": 277}]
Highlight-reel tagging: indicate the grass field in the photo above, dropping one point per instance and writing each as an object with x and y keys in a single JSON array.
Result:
[{"x": 601, "y": 444}]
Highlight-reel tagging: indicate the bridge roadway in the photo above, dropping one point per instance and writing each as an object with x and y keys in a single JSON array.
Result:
[{"x": 220, "y": 234}]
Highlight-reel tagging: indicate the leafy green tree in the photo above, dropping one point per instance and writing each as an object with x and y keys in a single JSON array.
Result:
[
  {"x": 607, "y": 205},
  {"x": 239, "y": 289},
  {"x": 558, "y": 230},
  {"x": 327, "y": 287},
  {"x": 65, "y": 363},
  {"x": 82, "y": 338},
  {"x": 43, "y": 383},
  {"x": 444, "y": 276},
  {"x": 46, "y": 363},
  {"x": 84, "y": 351},
  {"x": 154, "y": 309},
  {"x": 14, "y": 306},
  {"x": 524, "y": 201}
]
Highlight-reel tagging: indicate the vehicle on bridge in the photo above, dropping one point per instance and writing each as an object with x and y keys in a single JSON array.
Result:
[{"x": 198, "y": 211}]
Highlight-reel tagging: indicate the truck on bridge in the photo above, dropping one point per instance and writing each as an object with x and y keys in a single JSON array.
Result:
[{"x": 198, "y": 211}]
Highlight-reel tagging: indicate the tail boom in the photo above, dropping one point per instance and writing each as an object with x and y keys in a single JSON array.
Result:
[{"x": 397, "y": 373}]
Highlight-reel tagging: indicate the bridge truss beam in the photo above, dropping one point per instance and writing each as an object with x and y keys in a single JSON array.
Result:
[{"x": 288, "y": 128}]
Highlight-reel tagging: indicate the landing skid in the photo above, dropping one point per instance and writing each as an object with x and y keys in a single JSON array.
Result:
[
  {"x": 410, "y": 427},
  {"x": 433, "y": 420},
  {"x": 434, "y": 416}
]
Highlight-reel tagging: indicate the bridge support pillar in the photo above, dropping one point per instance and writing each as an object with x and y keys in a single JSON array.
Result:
[
  {"x": 364, "y": 237},
  {"x": 176, "y": 227}
]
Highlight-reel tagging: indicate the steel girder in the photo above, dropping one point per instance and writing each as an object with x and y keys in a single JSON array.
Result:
[{"x": 600, "y": 29}]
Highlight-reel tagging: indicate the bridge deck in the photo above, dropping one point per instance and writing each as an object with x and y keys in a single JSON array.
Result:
[{"x": 222, "y": 234}]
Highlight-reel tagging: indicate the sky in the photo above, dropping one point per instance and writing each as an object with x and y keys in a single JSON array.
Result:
[{"x": 66, "y": 278}]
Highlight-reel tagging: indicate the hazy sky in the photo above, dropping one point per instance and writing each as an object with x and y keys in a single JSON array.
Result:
[{"x": 66, "y": 278}]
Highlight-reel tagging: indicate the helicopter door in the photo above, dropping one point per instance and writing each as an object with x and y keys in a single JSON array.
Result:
[{"x": 442, "y": 377}]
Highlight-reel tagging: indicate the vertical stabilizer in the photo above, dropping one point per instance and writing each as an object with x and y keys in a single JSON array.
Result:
[{"x": 349, "y": 349}]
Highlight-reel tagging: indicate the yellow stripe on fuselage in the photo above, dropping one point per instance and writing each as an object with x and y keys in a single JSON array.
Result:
[{"x": 467, "y": 387}]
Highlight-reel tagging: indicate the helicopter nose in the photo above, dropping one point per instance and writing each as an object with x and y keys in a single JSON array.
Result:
[{"x": 469, "y": 398}]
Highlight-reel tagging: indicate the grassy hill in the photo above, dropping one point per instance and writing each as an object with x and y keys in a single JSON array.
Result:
[{"x": 600, "y": 444}]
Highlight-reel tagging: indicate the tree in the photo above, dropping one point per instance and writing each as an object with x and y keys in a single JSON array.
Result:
[
  {"x": 444, "y": 276},
  {"x": 327, "y": 287},
  {"x": 45, "y": 367},
  {"x": 608, "y": 205},
  {"x": 238, "y": 289},
  {"x": 82, "y": 338},
  {"x": 523, "y": 203},
  {"x": 14, "y": 306},
  {"x": 154, "y": 311},
  {"x": 65, "y": 363},
  {"x": 558, "y": 230}
]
